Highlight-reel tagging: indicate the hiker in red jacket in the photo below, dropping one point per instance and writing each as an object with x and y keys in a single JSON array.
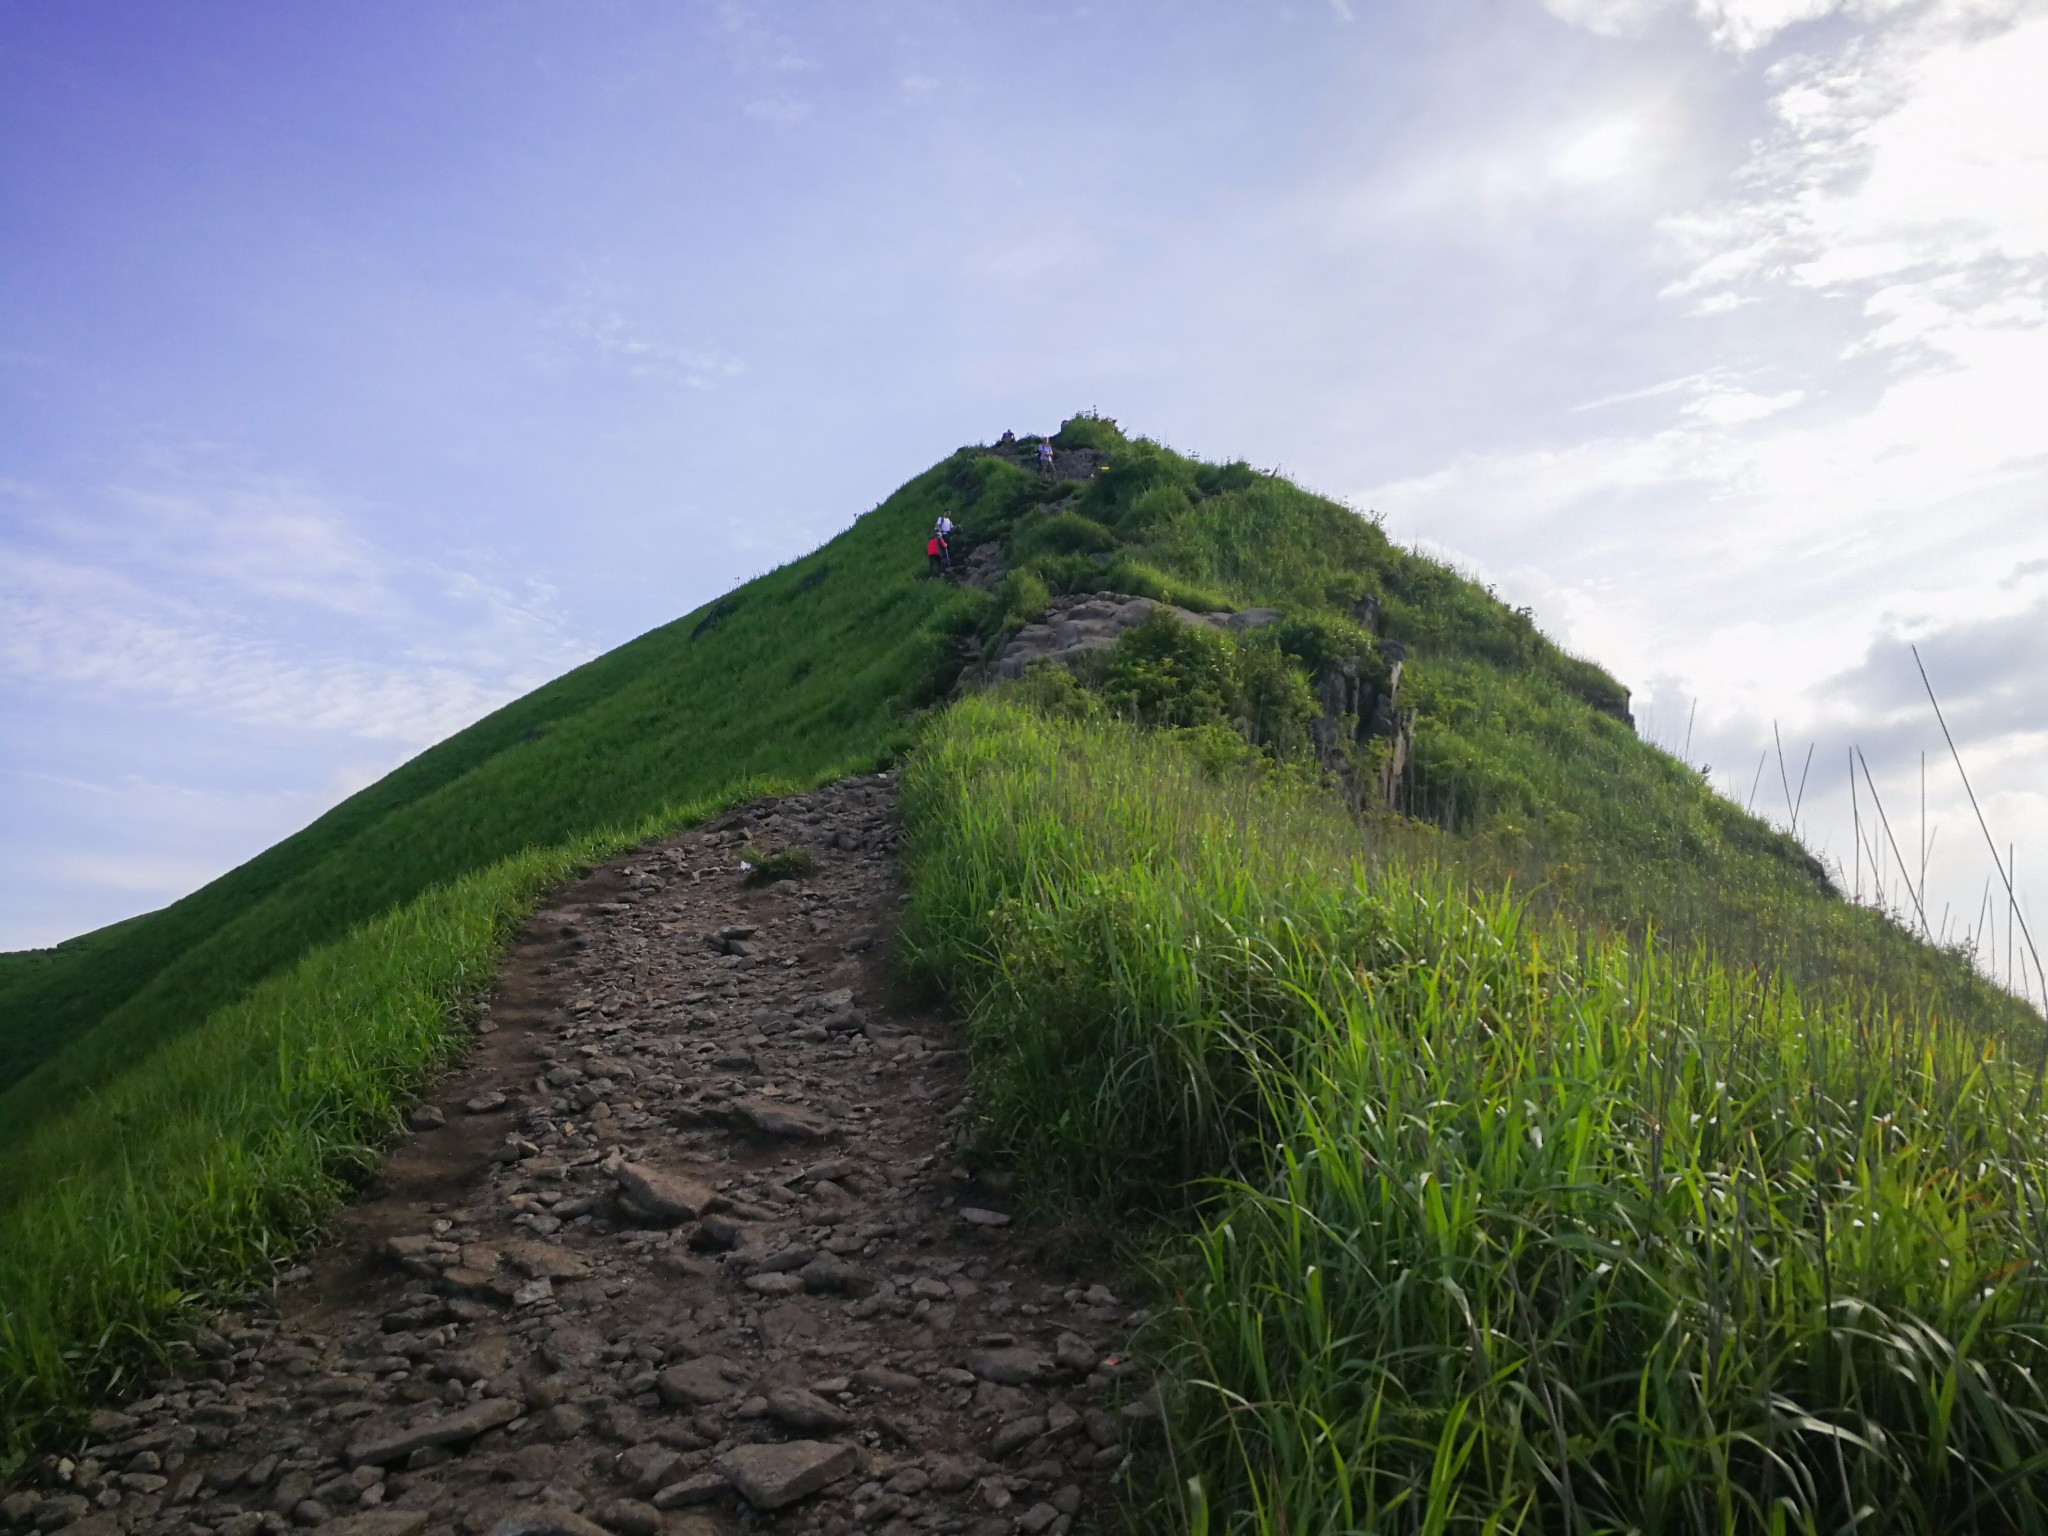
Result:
[{"x": 938, "y": 553}]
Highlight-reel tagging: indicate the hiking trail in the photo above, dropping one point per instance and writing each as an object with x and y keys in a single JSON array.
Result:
[{"x": 681, "y": 1246}]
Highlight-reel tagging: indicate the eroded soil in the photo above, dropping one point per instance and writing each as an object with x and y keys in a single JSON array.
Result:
[{"x": 684, "y": 1246}]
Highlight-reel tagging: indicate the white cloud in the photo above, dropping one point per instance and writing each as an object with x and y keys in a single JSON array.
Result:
[
  {"x": 587, "y": 324},
  {"x": 1739, "y": 25},
  {"x": 1767, "y": 539},
  {"x": 1599, "y": 152},
  {"x": 1729, "y": 407},
  {"x": 253, "y": 599}
]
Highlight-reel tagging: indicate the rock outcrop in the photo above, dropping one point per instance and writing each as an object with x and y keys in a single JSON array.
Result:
[{"x": 1074, "y": 626}]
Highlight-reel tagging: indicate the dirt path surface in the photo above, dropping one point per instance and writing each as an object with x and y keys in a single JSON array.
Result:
[{"x": 682, "y": 1247}]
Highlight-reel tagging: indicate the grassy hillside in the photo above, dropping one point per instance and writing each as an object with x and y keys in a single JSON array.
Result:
[
  {"x": 1519, "y": 746},
  {"x": 1477, "y": 1220},
  {"x": 807, "y": 668},
  {"x": 184, "y": 1093}
]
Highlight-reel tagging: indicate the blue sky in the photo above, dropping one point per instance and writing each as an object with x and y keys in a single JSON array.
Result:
[{"x": 364, "y": 365}]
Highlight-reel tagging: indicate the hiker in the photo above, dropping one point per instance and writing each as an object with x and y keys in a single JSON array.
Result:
[
  {"x": 1007, "y": 440},
  {"x": 944, "y": 528},
  {"x": 938, "y": 554},
  {"x": 1045, "y": 455}
]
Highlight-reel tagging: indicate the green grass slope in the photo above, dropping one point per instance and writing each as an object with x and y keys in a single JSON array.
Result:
[
  {"x": 1473, "y": 1219},
  {"x": 183, "y": 1094},
  {"x": 806, "y": 668}
]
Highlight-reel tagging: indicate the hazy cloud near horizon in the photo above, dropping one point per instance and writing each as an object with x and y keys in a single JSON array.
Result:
[{"x": 361, "y": 369}]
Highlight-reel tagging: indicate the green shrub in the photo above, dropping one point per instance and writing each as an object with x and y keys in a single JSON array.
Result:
[
  {"x": 1155, "y": 507},
  {"x": 1137, "y": 579},
  {"x": 1024, "y": 597},
  {"x": 1088, "y": 430},
  {"x": 1052, "y": 689},
  {"x": 1327, "y": 642},
  {"x": 1068, "y": 533},
  {"x": 1215, "y": 479},
  {"x": 1272, "y": 697},
  {"x": 791, "y": 863},
  {"x": 1167, "y": 673},
  {"x": 1067, "y": 574}
]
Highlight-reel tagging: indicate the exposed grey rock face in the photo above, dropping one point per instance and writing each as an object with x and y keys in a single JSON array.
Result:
[{"x": 1074, "y": 626}]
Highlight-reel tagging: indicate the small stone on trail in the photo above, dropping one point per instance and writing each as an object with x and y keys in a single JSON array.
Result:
[
  {"x": 544, "y": 1261},
  {"x": 799, "y": 1409},
  {"x": 387, "y": 1444},
  {"x": 654, "y": 1195},
  {"x": 631, "y": 1518},
  {"x": 547, "y": 1520},
  {"x": 975, "y": 1216},
  {"x": 700, "y": 1488},
  {"x": 1008, "y": 1367},
  {"x": 564, "y": 1421},
  {"x": 378, "y": 1522},
  {"x": 779, "y": 1120},
  {"x": 697, "y": 1383},
  {"x": 1073, "y": 1353},
  {"x": 1016, "y": 1434},
  {"x": 425, "y": 1117},
  {"x": 649, "y": 1467},
  {"x": 879, "y": 1378},
  {"x": 484, "y": 1103},
  {"x": 771, "y": 1476}
]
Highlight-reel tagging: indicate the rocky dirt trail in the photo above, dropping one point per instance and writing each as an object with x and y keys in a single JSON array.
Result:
[{"x": 682, "y": 1247}]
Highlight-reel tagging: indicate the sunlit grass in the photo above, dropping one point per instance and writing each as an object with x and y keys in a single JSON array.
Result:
[
  {"x": 195, "y": 1173},
  {"x": 1497, "y": 1222}
]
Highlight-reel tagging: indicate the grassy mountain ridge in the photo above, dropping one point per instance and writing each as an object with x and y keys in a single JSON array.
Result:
[
  {"x": 1471, "y": 1216},
  {"x": 808, "y": 666},
  {"x": 212, "y": 1046}
]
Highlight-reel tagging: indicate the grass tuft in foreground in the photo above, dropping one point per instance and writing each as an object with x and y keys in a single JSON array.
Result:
[{"x": 1496, "y": 1224}]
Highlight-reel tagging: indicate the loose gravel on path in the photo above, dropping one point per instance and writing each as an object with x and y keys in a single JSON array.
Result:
[{"x": 682, "y": 1247}]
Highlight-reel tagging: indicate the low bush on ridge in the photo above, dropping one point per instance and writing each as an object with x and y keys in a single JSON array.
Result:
[{"x": 1498, "y": 1224}]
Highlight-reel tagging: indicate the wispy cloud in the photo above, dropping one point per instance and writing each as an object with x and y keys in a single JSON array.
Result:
[
  {"x": 1741, "y": 25},
  {"x": 591, "y": 326},
  {"x": 254, "y": 599},
  {"x": 1770, "y": 539}
]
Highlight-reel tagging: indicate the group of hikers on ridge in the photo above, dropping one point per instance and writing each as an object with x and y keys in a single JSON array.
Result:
[{"x": 938, "y": 549}]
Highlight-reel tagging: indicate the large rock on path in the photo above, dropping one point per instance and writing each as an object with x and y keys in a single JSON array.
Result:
[
  {"x": 771, "y": 1476},
  {"x": 777, "y": 1120},
  {"x": 698, "y": 1383},
  {"x": 652, "y": 1194},
  {"x": 383, "y": 1443},
  {"x": 1009, "y": 1367}
]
